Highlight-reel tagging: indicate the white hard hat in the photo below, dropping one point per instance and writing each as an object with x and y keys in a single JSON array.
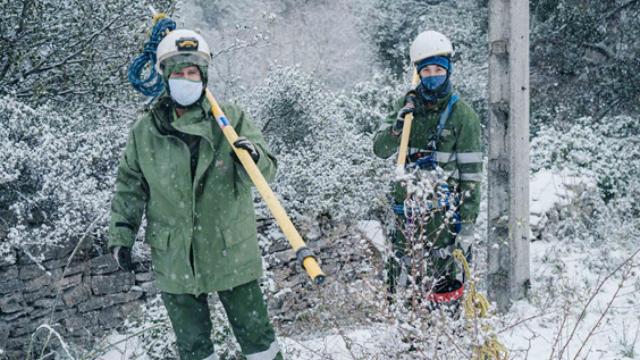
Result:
[
  {"x": 428, "y": 44},
  {"x": 183, "y": 42}
]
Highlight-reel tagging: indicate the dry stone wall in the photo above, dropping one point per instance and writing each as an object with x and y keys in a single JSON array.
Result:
[
  {"x": 81, "y": 300},
  {"x": 90, "y": 297}
]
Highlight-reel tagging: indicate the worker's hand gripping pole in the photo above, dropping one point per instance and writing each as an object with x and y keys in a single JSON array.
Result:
[
  {"x": 406, "y": 131},
  {"x": 304, "y": 255}
]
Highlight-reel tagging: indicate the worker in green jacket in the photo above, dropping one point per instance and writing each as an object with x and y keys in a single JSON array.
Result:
[
  {"x": 445, "y": 134},
  {"x": 179, "y": 171}
]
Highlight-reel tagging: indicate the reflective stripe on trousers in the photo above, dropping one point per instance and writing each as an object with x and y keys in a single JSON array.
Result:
[
  {"x": 467, "y": 176},
  {"x": 469, "y": 157}
]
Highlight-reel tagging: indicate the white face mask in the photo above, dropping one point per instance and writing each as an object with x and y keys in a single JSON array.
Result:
[{"x": 185, "y": 92}]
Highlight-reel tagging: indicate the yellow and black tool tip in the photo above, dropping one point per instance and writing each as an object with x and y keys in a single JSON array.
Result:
[
  {"x": 319, "y": 280},
  {"x": 310, "y": 264}
]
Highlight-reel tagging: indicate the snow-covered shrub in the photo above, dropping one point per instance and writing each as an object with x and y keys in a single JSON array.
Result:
[
  {"x": 606, "y": 154},
  {"x": 607, "y": 151},
  {"x": 424, "y": 329},
  {"x": 326, "y": 167},
  {"x": 391, "y": 26},
  {"x": 55, "y": 181},
  {"x": 369, "y": 103},
  {"x": 291, "y": 108}
]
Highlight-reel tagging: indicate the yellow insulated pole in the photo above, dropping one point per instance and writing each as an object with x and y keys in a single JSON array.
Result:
[
  {"x": 406, "y": 131},
  {"x": 302, "y": 252}
]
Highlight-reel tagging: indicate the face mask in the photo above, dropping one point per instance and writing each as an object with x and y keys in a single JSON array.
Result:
[
  {"x": 431, "y": 83},
  {"x": 185, "y": 92}
]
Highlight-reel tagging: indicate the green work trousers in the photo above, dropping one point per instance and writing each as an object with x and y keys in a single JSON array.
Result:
[{"x": 247, "y": 313}]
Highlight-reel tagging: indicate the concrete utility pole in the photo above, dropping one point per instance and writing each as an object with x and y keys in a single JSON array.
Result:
[{"x": 508, "y": 207}]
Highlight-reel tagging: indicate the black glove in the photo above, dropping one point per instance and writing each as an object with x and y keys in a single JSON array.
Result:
[
  {"x": 122, "y": 256},
  {"x": 409, "y": 107},
  {"x": 244, "y": 143}
]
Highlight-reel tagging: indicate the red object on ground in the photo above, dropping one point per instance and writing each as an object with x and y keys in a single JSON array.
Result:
[{"x": 447, "y": 296}]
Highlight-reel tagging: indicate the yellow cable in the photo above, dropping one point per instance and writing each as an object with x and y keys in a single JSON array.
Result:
[{"x": 476, "y": 306}]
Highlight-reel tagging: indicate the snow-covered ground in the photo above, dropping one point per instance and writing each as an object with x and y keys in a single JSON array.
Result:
[
  {"x": 548, "y": 189},
  {"x": 583, "y": 304},
  {"x": 565, "y": 284},
  {"x": 332, "y": 346}
]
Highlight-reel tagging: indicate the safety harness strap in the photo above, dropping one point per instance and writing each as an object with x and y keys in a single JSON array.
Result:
[
  {"x": 444, "y": 116},
  {"x": 430, "y": 158}
]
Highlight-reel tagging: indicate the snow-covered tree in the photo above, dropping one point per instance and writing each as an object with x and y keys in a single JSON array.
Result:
[
  {"x": 391, "y": 26},
  {"x": 584, "y": 58},
  {"x": 73, "y": 54}
]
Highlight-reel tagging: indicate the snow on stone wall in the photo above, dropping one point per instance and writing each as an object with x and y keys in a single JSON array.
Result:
[{"x": 80, "y": 299}]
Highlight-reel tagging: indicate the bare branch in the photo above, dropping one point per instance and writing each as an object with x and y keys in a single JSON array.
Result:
[
  {"x": 602, "y": 50},
  {"x": 87, "y": 42},
  {"x": 19, "y": 30},
  {"x": 593, "y": 296},
  {"x": 520, "y": 322},
  {"x": 619, "y": 8},
  {"x": 565, "y": 316},
  {"x": 605, "y": 312}
]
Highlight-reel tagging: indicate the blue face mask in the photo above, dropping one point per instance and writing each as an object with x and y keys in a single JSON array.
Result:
[{"x": 431, "y": 83}]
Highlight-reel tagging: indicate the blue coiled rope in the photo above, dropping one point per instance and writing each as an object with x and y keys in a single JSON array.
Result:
[{"x": 153, "y": 84}]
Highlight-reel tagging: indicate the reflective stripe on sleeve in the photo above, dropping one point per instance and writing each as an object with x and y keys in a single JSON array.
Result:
[
  {"x": 445, "y": 157},
  {"x": 469, "y": 157}
]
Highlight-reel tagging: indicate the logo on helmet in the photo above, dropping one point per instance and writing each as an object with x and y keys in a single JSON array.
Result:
[{"x": 187, "y": 44}]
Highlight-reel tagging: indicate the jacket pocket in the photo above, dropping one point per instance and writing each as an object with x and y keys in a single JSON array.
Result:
[
  {"x": 237, "y": 234},
  {"x": 158, "y": 238}
]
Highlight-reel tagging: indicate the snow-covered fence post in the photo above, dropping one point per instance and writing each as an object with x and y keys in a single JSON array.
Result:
[{"x": 508, "y": 168}]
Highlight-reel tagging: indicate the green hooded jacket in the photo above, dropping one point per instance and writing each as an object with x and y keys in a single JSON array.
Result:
[
  {"x": 202, "y": 232},
  {"x": 459, "y": 148}
]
